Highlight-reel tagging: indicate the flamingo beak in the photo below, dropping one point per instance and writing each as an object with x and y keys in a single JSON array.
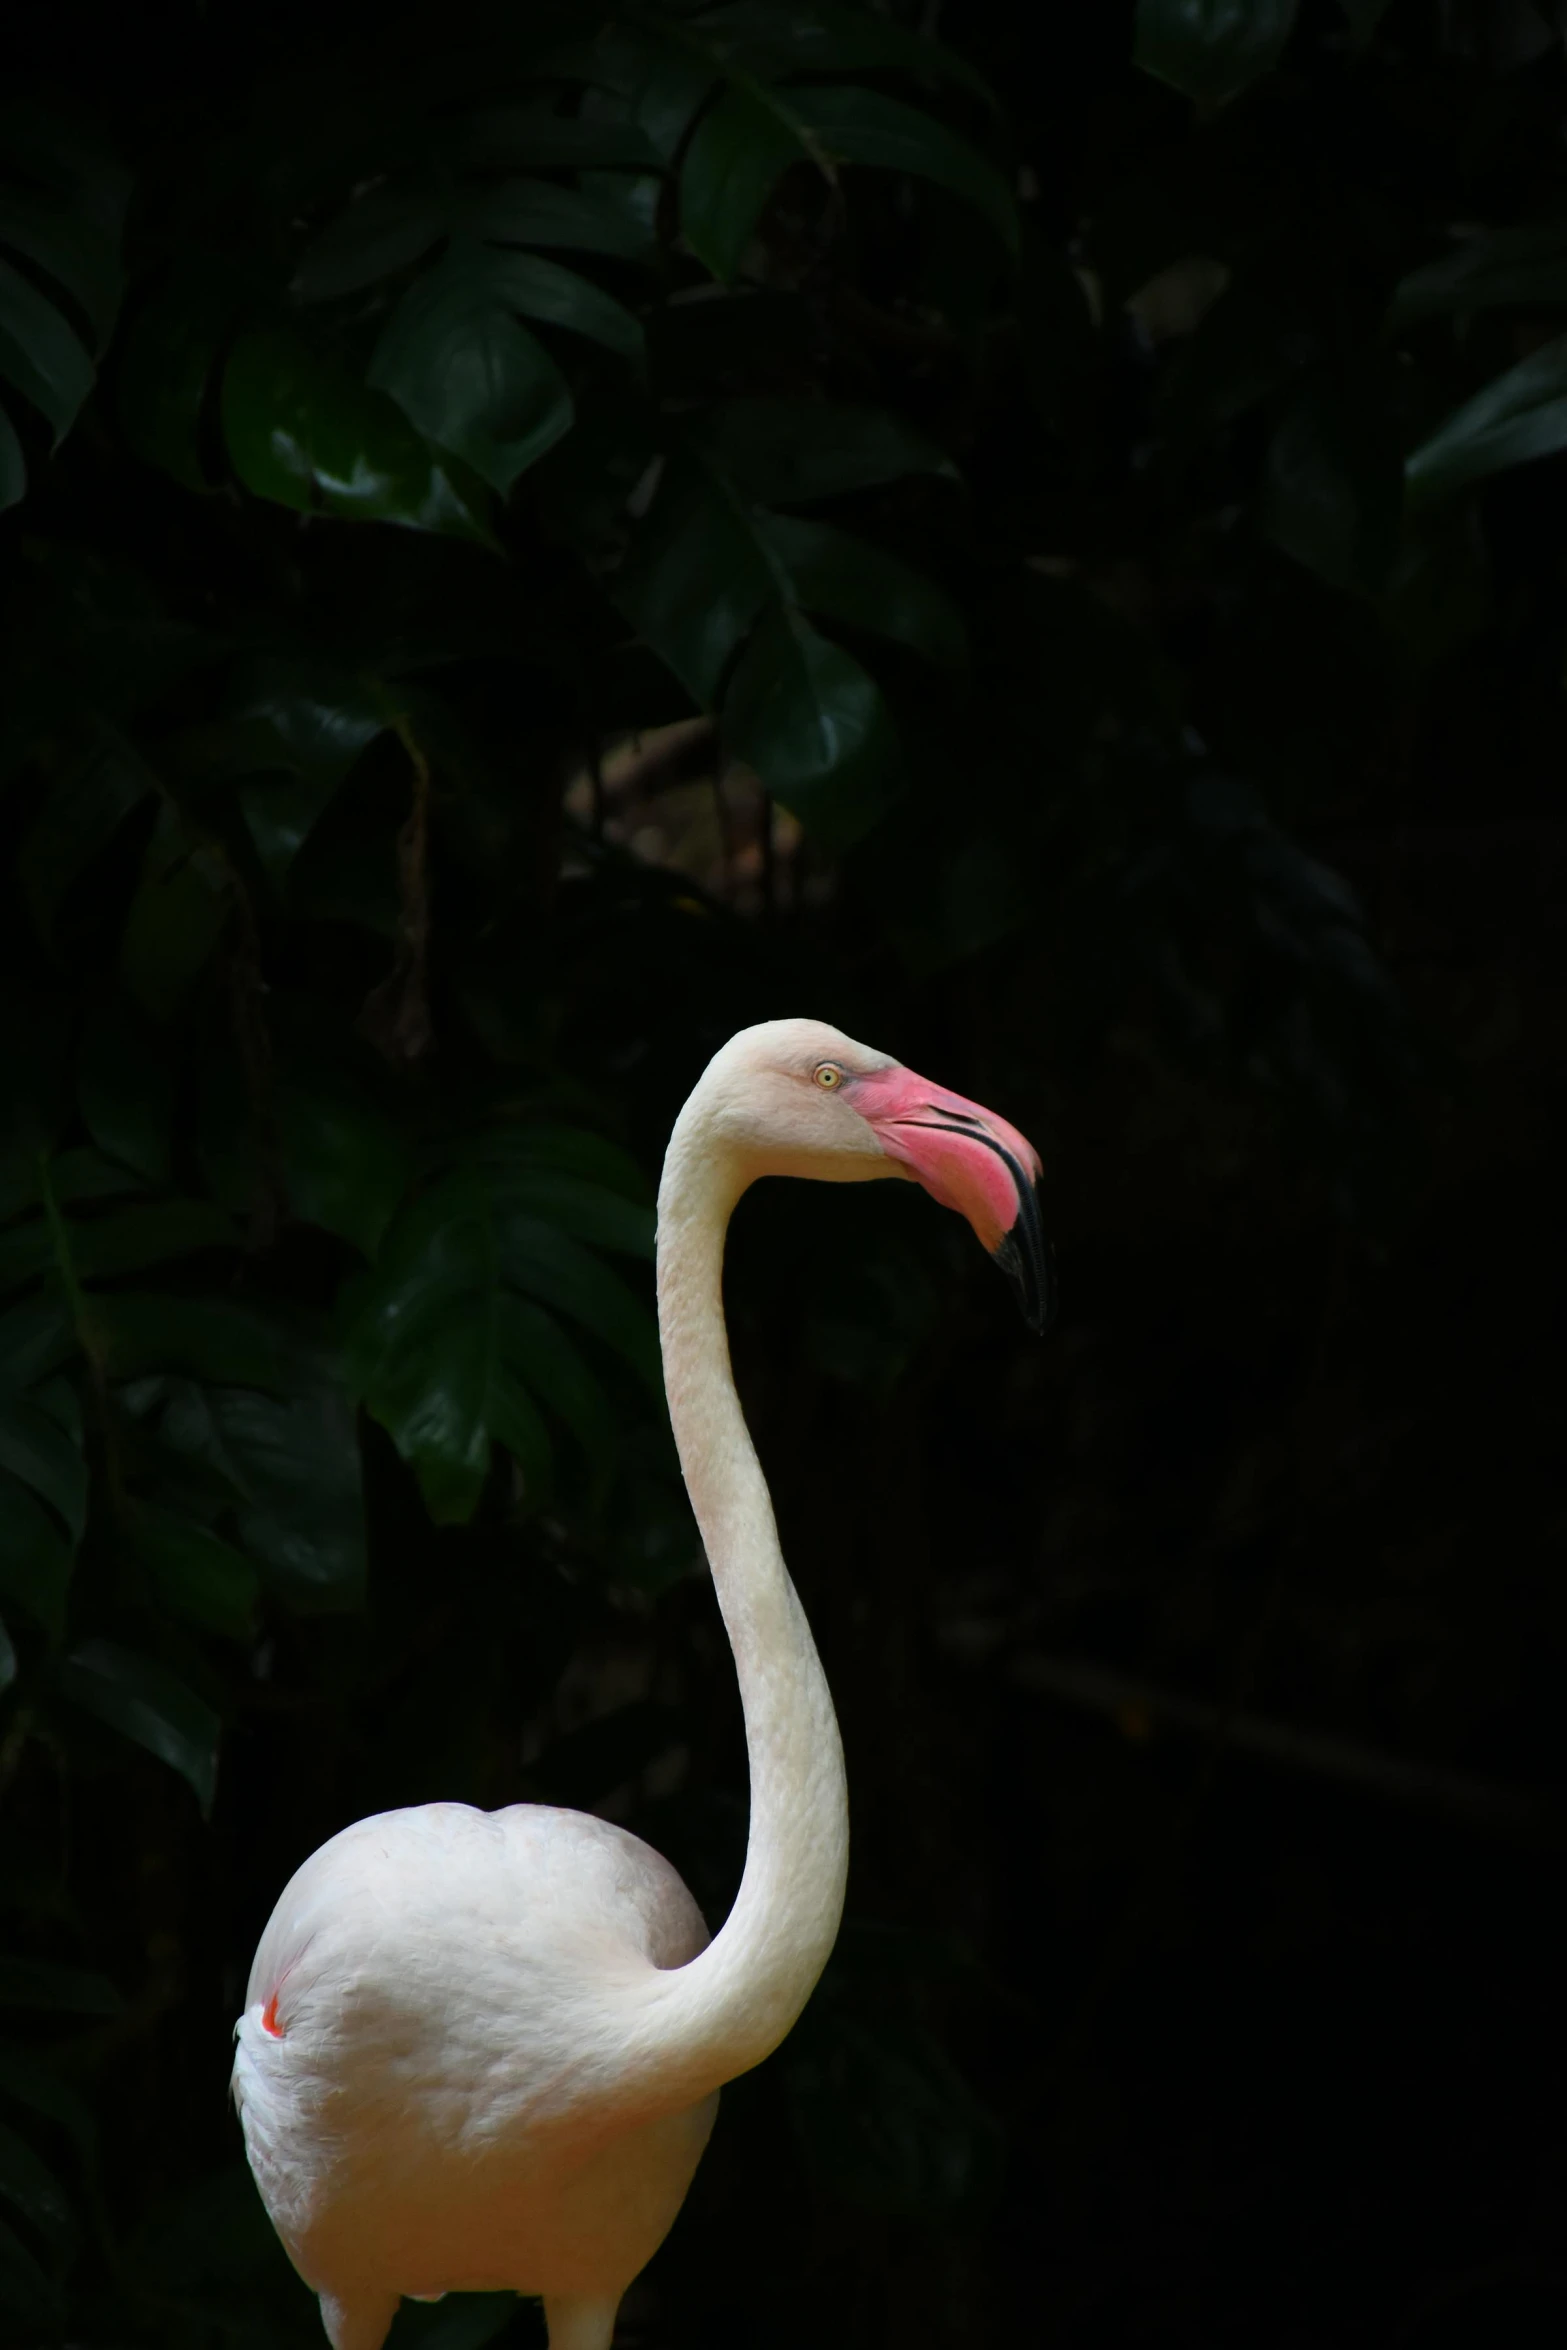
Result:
[{"x": 971, "y": 1160}]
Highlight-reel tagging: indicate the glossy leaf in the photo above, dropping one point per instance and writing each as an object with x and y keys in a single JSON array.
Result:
[
  {"x": 25, "y": 2289},
  {"x": 79, "y": 252},
  {"x": 40, "y": 354},
  {"x": 471, "y": 378},
  {"x": 346, "y": 1165},
  {"x": 740, "y": 150},
  {"x": 13, "y": 465},
  {"x": 843, "y": 578},
  {"x": 167, "y": 368},
  {"x": 35, "y": 1338},
  {"x": 291, "y": 1463},
  {"x": 125, "y": 1087},
  {"x": 534, "y": 138},
  {"x": 35, "y": 1558},
  {"x": 1211, "y": 49},
  {"x": 790, "y": 452},
  {"x": 129, "y": 1240},
  {"x": 537, "y": 212},
  {"x": 1523, "y": 268},
  {"x": 229, "y": 1344},
  {"x": 151, "y": 1706},
  {"x": 696, "y": 577},
  {"x": 308, "y": 437},
  {"x": 1332, "y": 491},
  {"x": 47, "y": 1457},
  {"x": 800, "y": 40},
  {"x": 87, "y": 801},
  {"x": 181, "y": 908},
  {"x": 195, "y": 1574},
  {"x": 856, "y": 125},
  {"x": 539, "y": 1261},
  {"x": 385, "y": 231},
  {"x": 548, "y": 291},
  {"x": 1518, "y": 418},
  {"x": 449, "y": 1346},
  {"x": 30, "y": 2187},
  {"x": 814, "y": 726}
]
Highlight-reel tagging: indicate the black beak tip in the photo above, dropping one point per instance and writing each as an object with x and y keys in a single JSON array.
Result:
[{"x": 1029, "y": 1263}]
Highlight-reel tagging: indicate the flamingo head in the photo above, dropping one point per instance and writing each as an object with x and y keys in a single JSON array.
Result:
[{"x": 795, "y": 1097}]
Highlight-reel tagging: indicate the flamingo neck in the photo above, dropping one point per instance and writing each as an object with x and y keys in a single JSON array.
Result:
[{"x": 730, "y": 2007}]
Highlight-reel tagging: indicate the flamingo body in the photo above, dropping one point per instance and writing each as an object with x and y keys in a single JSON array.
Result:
[
  {"x": 426, "y": 2045},
  {"x": 481, "y": 2051}
]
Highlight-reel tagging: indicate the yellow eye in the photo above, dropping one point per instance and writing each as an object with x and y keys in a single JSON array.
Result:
[{"x": 829, "y": 1076}]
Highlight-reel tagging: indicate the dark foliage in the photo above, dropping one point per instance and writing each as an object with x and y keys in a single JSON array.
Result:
[{"x": 538, "y": 536}]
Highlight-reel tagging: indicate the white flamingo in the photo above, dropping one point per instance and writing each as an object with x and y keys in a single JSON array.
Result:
[{"x": 481, "y": 2051}]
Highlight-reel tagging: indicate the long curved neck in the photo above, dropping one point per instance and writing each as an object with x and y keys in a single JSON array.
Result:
[{"x": 728, "y": 2008}]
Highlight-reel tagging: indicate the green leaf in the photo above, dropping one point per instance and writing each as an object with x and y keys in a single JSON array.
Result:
[
  {"x": 47, "y": 1457},
  {"x": 290, "y": 1464},
  {"x": 346, "y": 1165},
  {"x": 13, "y": 465},
  {"x": 40, "y": 354},
  {"x": 798, "y": 40},
  {"x": 461, "y": 368},
  {"x": 7, "y": 1660},
  {"x": 740, "y": 151},
  {"x": 79, "y": 253},
  {"x": 1211, "y": 49},
  {"x": 1520, "y": 417},
  {"x": 293, "y": 733},
  {"x": 25, "y": 2290},
  {"x": 229, "y": 1344},
  {"x": 180, "y": 911},
  {"x": 131, "y": 1239},
  {"x": 166, "y": 366},
  {"x": 35, "y": 1339},
  {"x": 195, "y": 1574},
  {"x": 695, "y": 579},
  {"x": 385, "y": 231},
  {"x": 297, "y": 1462},
  {"x": 864, "y": 126},
  {"x": 538, "y": 1260},
  {"x": 40, "y": 1984},
  {"x": 548, "y": 1362},
  {"x": 813, "y": 725},
  {"x": 125, "y": 1088},
  {"x": 30, "y": 2187},
  {"x": 587, "y": 1211},
  {"x": 1364, "y": 17},
  {"x": 546, "y": 290},
  {"x": 537, "y": 212},
  {"x": 148, "y": 1704},
  {"x": 424, "y": 1355},
  {"x": 25, "y": 1252},
  {"x": 792, "y": 452},
  {"x": 84, "y": 807},
  {"x": 534, "y": 138},
  {"x": 1522, "y": 268},
  {"x": 842, "y": 578},
  {"x": 307, "y": 436},
  {"x": 35, "y": 1558},
  {"x": 1332, "y": 491}
]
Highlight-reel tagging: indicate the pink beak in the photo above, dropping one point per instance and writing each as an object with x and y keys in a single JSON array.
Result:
[{"x": 971, "y": 1160}]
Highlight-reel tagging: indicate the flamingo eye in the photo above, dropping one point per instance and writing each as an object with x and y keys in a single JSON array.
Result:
[{"x": 829, "y": 1076}]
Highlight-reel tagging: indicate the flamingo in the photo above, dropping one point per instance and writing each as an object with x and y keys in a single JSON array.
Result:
[{"x": 481, "y": 2051}]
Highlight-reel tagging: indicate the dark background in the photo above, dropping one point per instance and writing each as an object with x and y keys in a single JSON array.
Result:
[{"x": 1095, "y": 631}]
